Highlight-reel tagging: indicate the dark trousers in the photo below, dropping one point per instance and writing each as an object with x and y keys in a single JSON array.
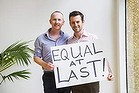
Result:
[
  {"x": 49, "y": 84},
  {"x": 86, "y": 88}
]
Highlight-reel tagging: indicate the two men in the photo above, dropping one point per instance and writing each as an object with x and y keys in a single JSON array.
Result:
[{"x": 53, "y": 37}]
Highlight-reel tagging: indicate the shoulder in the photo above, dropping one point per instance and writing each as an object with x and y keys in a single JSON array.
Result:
[
  {"x": 70, "y": 40},
  {"x": 65, "y": 35},
  {"x": 40, "y": 38}
]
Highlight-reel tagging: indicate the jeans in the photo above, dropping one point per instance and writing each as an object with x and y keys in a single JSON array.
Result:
[{"x": 49, "y": 84}]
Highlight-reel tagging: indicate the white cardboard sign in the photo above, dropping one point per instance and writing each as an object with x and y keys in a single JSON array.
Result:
[{"x": 79, "y": 63}]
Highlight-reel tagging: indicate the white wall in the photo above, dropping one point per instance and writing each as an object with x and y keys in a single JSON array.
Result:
[{"x": 26, "y": 19}]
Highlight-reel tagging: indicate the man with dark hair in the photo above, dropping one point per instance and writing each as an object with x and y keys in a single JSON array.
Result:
[{"x": 76, "y": 21}]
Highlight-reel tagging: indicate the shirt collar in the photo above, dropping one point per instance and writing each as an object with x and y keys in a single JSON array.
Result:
[
  {"x": 48, "y": 35},
  {"x": 84, "y": 34}
]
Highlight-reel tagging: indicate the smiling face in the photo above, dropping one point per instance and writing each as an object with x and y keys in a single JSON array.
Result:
[
  {"x": 76, "y": 23},
  {"x": 56, "y": 20}
]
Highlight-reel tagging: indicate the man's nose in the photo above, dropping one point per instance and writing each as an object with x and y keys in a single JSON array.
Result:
[{"x": 75, "y": 24}]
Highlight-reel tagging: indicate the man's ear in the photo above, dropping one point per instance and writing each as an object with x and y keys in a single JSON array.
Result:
[
  {"x": 63, "y": 21},
  {"x": 50, "y": 21}
]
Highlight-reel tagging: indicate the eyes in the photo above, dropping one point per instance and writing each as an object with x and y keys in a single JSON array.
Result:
[
  {"x": 75, "y": 22},
  {"x": 56, "y": 19}
]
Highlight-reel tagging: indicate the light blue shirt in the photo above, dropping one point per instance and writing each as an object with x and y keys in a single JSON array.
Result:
[{"x": 44, "y": 42}]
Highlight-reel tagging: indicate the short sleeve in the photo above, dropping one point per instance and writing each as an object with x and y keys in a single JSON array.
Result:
[{"x": 38, "y": 48}]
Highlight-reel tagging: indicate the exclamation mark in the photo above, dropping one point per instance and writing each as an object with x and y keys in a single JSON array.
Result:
[{"x": 103, "y": 65}]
